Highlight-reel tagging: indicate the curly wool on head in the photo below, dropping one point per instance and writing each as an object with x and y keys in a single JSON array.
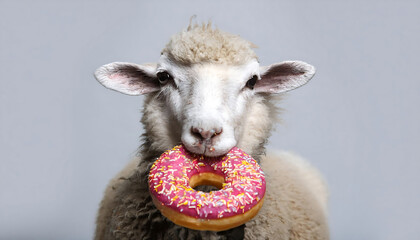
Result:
[{"x": 203, "y": 43}]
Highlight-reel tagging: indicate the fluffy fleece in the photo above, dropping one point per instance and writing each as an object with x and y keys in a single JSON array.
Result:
[
  {"x": 295, "y": 202},
  {"x": 202, "y": 43}
]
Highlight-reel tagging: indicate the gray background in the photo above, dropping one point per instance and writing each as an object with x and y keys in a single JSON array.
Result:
[{"x": 63, "y": 136}]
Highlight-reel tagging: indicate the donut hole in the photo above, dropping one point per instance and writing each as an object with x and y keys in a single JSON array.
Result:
[
  {"x": 206, "y": 188},
  {"x": 207, "y": 182}
]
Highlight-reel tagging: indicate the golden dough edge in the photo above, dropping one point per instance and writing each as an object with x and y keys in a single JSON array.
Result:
[{"x": 221, "y": 224}]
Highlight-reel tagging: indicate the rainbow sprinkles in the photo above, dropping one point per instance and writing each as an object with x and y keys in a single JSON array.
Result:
[{"x": 243, "y": 184}]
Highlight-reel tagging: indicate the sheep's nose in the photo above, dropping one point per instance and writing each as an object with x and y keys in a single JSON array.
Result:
[{"x": 203, "y": 134}]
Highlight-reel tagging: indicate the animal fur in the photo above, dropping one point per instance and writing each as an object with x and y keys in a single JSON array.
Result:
[
  {"x": 202, "y": 43},
  {"x": 295, "y": 205}
]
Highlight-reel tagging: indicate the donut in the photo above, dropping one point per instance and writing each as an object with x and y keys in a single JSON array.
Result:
[{"x": 238, "y": 176}]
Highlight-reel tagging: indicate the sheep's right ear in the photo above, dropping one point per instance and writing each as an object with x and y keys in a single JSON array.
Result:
[{"x": 128, "y": 78}]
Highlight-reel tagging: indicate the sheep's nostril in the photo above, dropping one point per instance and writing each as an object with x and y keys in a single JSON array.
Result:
[
  {"x": 205, "y": 134},
  {"x": 196, "y": 132}
]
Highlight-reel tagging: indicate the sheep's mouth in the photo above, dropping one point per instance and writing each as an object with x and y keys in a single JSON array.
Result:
[
  {"x": 207, "y": 150},
  {"x": 209, "y": 153}
]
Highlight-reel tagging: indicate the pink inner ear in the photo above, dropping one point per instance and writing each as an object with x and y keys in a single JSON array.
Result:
[
  {"x": 120, "y": 77},
  {"x": 117, "y": 75}
]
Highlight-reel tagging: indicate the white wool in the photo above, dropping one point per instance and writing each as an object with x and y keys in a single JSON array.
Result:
[{"x": 202, "y": 43}]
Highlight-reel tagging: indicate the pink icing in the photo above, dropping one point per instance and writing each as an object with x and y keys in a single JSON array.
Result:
[{"x": 244, "y": 183}]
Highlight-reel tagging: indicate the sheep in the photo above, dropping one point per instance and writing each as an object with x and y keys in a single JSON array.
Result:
[{"x": 209, "y": 93}]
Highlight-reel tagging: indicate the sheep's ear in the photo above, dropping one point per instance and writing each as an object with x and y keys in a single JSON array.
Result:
[
  {"x": 128, "y": 78},
  {"x": 284, "y": 76}
]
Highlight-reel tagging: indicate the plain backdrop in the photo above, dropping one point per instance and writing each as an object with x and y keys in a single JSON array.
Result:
[{"x": 63, "y": 136}]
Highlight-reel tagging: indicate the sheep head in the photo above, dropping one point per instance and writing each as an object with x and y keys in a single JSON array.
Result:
[{"x": 208, "y": 80}]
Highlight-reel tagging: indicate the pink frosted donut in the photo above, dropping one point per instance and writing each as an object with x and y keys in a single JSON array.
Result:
[{"x": 238, "y": 176}]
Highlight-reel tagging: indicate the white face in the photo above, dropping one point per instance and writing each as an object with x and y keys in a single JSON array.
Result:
[
  {"x": 208, "y": 101},
  {"x": 206, "y": 104}
]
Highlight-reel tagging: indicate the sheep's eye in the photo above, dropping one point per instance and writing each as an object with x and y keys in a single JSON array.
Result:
[
  {"x": 251, "y": 82},
  {"x": 163, "y": 77}
]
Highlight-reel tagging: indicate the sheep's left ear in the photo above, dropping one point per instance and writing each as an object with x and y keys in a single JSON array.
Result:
[{"x": 284, "y": 76}]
